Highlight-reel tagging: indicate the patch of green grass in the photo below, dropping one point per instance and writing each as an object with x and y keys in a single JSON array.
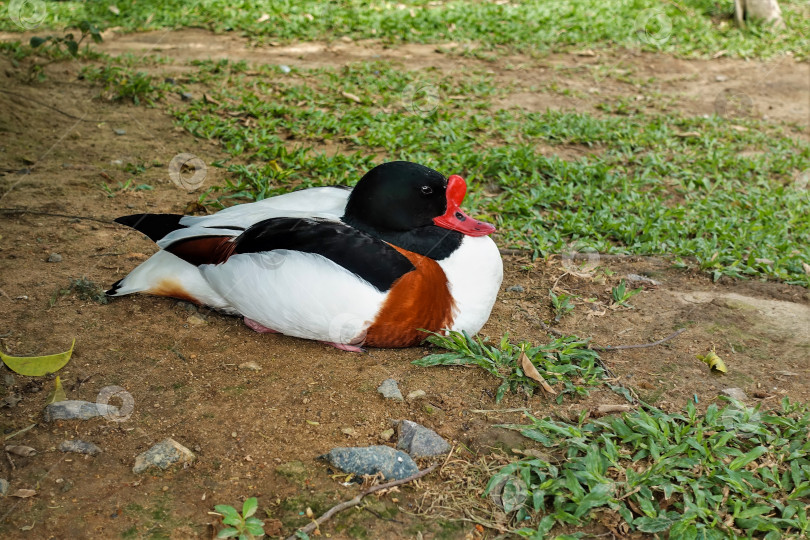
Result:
[
  {"x": 648, "y": 190},
  {"x": 688, "y": 27},
  {"x": 561, "y": 303},
  {"x": 565, "y": 362},
  {"x": 621, "y": 294},
  {"x": 732, "y": 472},
  {"x": 121, "y": 83}
]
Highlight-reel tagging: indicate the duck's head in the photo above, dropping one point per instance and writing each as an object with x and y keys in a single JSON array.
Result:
[{"x": 402, "y": 196}]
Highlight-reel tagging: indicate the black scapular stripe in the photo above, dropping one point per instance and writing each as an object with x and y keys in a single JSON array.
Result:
[{"x": 360, "y": 253}]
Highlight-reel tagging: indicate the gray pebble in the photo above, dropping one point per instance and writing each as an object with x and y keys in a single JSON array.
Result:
[
  {"x": 8, "y": 379},
  {"x": 163, "y": 455},
  {"x": 186, "y": 96},
  {"x": 720, "y": 78},
  {"x": 79, "y": 447},
  {"x": 420, "y": 441},
  {"x": 390, "y": 390},
  {"x": 120, "y": 131},
  {"x": 78, "y": 410},
  {"x": 635, "y": 278},
  {"x": 284, "y": 69},
  {"x": 735, "y": 393},
  {"x": 515, "y": 288},
  {"x": 416, "y": 394},
  {"x": 4, "y": 485},
  {"x": 54, "y": 258},
  {"x": 393, "y": 464}
]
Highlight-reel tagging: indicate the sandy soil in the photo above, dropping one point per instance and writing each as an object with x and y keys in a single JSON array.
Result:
[{"x": 257, "y": 433}]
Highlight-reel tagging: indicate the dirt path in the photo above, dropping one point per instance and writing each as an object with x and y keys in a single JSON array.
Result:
[{"x": 257, "y": 433}]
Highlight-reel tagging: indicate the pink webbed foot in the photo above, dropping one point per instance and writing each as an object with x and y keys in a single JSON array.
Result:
[
  {"x": 253, "y": 325},
  {"x": 345, "y": 347}
]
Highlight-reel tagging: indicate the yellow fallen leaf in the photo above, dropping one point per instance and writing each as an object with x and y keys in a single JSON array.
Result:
[
  {"x": 532, "y": 373},
  {"x": 58, "y": 393},
  {"x": 713, "y": 361},
  {"x": 36, "y": 366}
]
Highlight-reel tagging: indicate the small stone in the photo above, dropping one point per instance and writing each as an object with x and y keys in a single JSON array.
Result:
[
  {"x": 117, "y": 163},
  {"x": 4, "y": 485},
  {"x": 186, "y": 96},
  {"x": 20, "y": 450},
  {"x": 390, "y": 390},
  {"x": 350, "y": 432},
  {"x": 635, "y": 278},
  {"x": 284, "y": 69},
  {"x": 720, "y": 78},
  {"x": 163, "y": 455},
  {"x": 120, "y": 131},
  {"x": 387, "y": 434},
  {"x": 393, "y": 464},
  {"x": 10, "y": 401},
  {"x": 785, "y": 374},
  {"x": 735, "y": 393},
  {"x": 250, "y": 366},
  {"x": 170, "y": 80},
  {"x": 196, "y": 320},
  {"x": 420, "y": 441},
  {"x": 8, "y": 379},
  {"x": 78, "y": 410},
  {"x": 79, "y": 447},
  {"x": 515, "y": 288},
  {"x": 54, "y": 258},
  {"x": 416, "y": 394}
]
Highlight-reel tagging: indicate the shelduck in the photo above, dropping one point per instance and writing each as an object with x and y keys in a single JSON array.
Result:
[{"x": 368, "y": 266}]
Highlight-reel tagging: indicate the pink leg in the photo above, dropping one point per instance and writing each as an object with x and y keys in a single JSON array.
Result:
[
  {"x": 253, "y": 325},
  {"x": 344, "y": 347}
]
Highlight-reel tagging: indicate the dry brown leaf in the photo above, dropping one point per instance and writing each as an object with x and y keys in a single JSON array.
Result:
[
  {"x": 209, "y": 99},
  {"x": 806, "y": 268},
  {"x": 24, "y": 493},
  {"x": 532, "y": 373},
  {"x": 688, "y": 134},
  {"x": 351, "y": 96}
]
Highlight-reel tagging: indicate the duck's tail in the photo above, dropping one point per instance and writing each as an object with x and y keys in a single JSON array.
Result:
[{"x": 155, "y": 226}]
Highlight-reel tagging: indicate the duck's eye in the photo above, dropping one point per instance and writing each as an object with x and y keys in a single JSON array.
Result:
[{"x": 427, "y": 190}]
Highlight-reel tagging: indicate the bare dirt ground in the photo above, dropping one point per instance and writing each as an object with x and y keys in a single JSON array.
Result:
[{"x": 258, "y": 433}]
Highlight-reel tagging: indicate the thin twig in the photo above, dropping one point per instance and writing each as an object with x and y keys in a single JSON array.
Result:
[
  {"x": 378, "y": 516},
  {"x": 354, "y": 502},
  {"x": 38, "y": 213},
  {"x": 32, "y": 100},
  {"x": 641, "y": 346}
]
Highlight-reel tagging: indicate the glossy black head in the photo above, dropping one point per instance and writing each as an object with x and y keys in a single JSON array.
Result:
[{"x": 397, "y": 196}]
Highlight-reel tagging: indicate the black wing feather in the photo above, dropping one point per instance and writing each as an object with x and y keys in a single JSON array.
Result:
[
  {"x": 155, "y": 226},
  {"x": 360, "y": 253}
]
